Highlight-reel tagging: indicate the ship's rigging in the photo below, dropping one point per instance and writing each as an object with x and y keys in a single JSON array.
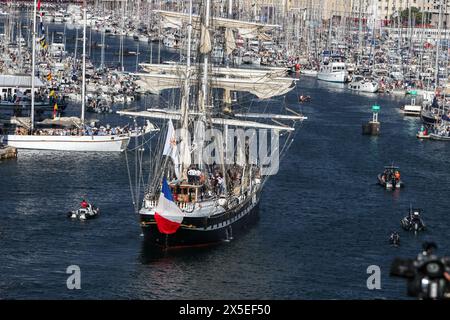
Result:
[{"x": 214, "y": 192}]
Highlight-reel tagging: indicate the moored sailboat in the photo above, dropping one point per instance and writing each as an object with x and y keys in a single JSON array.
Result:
[{"x": 81, "y": 137}]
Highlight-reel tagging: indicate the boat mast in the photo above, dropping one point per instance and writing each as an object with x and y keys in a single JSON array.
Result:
[
  {"x": 185, "y": 152},
  {"x": 75, "y": 60},
  {"x": 360, "y": 35},
  {"x": 438, "y": 43},
  {"x": 205, "y": 62},
  {"x": 83, "y": 88},
  {"x": 421, "y": 39},
  {"x": 329, "y": 32},
  {"x": 33, "y": 65},
  {"x": 19, "y": 36},
  {"x": 102, "y": 55},
  {"x": 205, "y": 48},
  {"x": 188, "y": 54}
]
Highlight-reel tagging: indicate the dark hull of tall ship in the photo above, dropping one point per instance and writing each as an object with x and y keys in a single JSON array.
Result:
[{"x": 203, "y": 231}]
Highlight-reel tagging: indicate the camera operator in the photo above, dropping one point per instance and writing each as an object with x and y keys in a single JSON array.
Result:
[{"x": 428, "y": 276}]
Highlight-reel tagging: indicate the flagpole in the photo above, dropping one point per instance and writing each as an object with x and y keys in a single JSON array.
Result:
[
  {"x": 33, "y": 66},
  {"x": 83, "y": 88}
]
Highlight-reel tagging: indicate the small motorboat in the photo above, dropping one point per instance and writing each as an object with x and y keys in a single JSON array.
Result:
[
  {"x": 413, "y": 221},
  {"x": 87, "y": 213},
  {"x": 441, "y": 131},
  {"x": 390, "y": 178},
  {"x": 304, "y": 99},
  {"x": 394, "y": 239},
  {"x": 423, "y": 133}
]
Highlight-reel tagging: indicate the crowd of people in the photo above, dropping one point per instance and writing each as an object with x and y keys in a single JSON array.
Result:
[
  {"x": 215, "y": 183},
  {"x": 88, "y": 131},
  {"x": 442, "y": 129},
  {"x": 389, "y": 175}
]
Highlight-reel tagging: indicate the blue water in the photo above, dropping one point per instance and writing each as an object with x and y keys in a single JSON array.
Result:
[{"x": 323, "y": 219}]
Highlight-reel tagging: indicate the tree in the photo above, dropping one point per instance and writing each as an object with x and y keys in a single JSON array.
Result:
[{"x": 416, "y": 16}]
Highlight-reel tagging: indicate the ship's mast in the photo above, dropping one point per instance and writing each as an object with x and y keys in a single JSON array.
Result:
[
  {"x": 102, "y": 55},
  {"x": 185, "y": 152},
  {"x": 438, "y": 43},
  {"x": 83, "y": 88},
  {"x": 205, "y": 63},
  {"x": 360, "y": 30},
  {"x": 33, "y": 64},
  {"x": 205, "y": 47}
]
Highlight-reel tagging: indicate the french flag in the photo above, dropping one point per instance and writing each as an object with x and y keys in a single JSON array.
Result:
[{"x": 167, "y": 214}]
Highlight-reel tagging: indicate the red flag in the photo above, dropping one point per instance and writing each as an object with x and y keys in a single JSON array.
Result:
[{"x": 39, "y": 5}]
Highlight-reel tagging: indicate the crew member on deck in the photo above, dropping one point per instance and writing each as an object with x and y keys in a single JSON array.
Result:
[
  {"x": 84, "y": 204},
  {"x": 191, "y": 175}
]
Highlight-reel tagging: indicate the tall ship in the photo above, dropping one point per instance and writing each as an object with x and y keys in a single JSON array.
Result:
[{"x": 208, "y": 170}]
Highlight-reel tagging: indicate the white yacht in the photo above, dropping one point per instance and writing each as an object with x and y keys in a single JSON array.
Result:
[
  {"x": 107, "y": 143},
  {"x": 363, "y": 84},
  {"x": 333, "y": 70}
]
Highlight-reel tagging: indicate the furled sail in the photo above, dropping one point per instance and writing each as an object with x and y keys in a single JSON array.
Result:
[
  {"x": 205, "y": 41},
  {"x": 246, "y": 29},
  {"x": 155, "y": 83},
  {"x": 180, "y": 69},
  {"x": 262, "y": 87},
  {"x": 230, "y": 41},
  {"x": 176, "y": 115}
]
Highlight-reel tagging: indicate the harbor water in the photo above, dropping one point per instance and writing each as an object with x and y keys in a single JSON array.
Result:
[{"x": 323, "y": 219}]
